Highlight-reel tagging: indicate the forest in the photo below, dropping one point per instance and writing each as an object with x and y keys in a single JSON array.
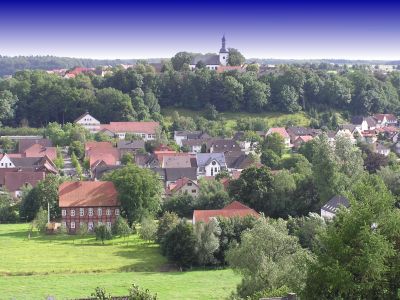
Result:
[{"x": 36, "y": 98}]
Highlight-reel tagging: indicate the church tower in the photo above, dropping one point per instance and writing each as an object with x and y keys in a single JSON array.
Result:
[{"x": 223, "y": 53}]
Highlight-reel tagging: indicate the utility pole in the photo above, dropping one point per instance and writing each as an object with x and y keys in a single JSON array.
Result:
[{"x": 48, "y": 212}]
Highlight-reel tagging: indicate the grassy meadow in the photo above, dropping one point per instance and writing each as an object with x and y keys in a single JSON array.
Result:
[{"x": 68, "y": 267}]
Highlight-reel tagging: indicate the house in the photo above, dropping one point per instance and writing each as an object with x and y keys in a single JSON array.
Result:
[
  {"x": 295, "y": 131},
  {"x": 364, "y": 123},
  {"x": 282, "y": 132},
  {"x": 99, "y": 171},
  {"x": 210, "y": 164},
  {"x": 235, "y": 209},
  {"x": 212, "y": 61},
  {"x": 88, "y": 122},
  {"x": 16, "y": 180},
  {"x": 329, "y": 210},
  {"x": 222, "y": 145},
  {"x": 301, "y": 140},
  {"x": 381, "y": 149},
  {"x": 147, "y": 160},
  {"x": 28, "y": 163},
  {"x": 385, "y": 120},
  {"x": 101, "y": 153},
  {"x": 180, "y": 136},
  {"x": 244, "y": 144},
  {"x": 37, "y": 150},
  {"x": 176, "y": 161},
  {"x": 172, "y": 175},
  {"x": 130, "y": 146},
  {"x": 237, "y": 161},
  {"x": 24, "y": 144},
  {"x": 195, "y": 146},
  {"x": 88, "y": 203},
  {"x": 146, "y": 130},
  {"x": 182, "y": 186}
]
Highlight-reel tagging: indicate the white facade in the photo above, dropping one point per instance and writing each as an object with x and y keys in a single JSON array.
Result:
[
  {"x": 223, "y": 58},
  {"x": 212, "y": 169},
  {"x": 5, "y": 162},
  {"x": 179, "y": 138},
  {"x": 89, "y": 122},
  {"x": 326, "y": 214}
]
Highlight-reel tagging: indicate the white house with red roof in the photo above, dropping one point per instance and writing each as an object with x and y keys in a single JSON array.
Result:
[
  {"x": 282, "y": 132},
  {"x": 183, "y": 186},
  {"x": 146, "y": 130},
  {"x": 385, "y": 120}
]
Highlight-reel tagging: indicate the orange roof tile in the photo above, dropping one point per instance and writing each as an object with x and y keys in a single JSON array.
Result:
[
  {"x": 13, "y": 181},
  {"x": 280, "y": 130},
  {"x": 87, "y": 193},
  {"x": 37, "y": 150},
  {"x": 207, "y": 215},
  {"x": 131, "y": 127}
]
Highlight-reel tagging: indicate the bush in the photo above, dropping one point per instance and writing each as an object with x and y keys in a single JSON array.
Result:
[
  {"x": 102, "y": 233},
  {"x": 167, "y": 222},
  {"x": 148, "y": 229},
  {"x": 8, "y": 211},
  {"x": 40, "y": 222},
  {"x": 135, "y": 293},
  {"x": 121, "y": 227}
]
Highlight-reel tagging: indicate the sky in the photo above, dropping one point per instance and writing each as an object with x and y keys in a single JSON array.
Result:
[{"x": 151, "y": 29}]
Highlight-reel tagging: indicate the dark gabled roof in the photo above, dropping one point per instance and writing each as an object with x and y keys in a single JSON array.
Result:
[
  {"x": 100, "y": 170},
  {"x": 138, "y": 144},
  {"x": 296, "y": 130},
  {"x": 24, "y": 144},
  {"x": 333, "y": 205},
  {"x": 237, "y": 160},
  {"x": 146, "y": 159},
  {"x": 223, "y": 145},
  {"x": 26, "y": 162},
  {"x": 357, "y": 120},
  {"x": 349, "y": 127},
  {"x": 174, "y": 174},
  {"x": 207, "y": 59},
  {"x": 370, "y": 121},
  {"x": 197, "y": 142}
]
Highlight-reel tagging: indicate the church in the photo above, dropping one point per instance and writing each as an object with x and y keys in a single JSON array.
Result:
[{"x": 212, "y": 61}]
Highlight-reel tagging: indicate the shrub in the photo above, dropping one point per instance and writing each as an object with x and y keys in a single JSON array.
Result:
[
  {"x": 148, "y": 229},
  {"x": 40, "y": 221},
  {"x": 121, "y": 227},
  {"x": 135, "y": 293},
  {"x": 102, "y": 233}
]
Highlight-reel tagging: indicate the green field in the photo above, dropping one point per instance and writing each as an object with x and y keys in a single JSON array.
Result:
[
  {"x": 271, "y": 119},
  {"x": 66, "y": 268}
]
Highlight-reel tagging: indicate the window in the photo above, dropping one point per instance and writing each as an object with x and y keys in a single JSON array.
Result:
[
  {"x": 189, "y": 184},
  {"x": 216, "y": 169},
  {"x": 213, "y": 163},
  {"x": 72, "y": 225},
  {"x": 90, "y": 226},
  {"x": 90, "y": 212},
  {"x": 81, "y": 212},
  {"x": 99, "y": 211},
  {"x": 72, "y": 212},
  {"x": 116, "y": 211},
  {"x": 108, "y": 212},
  {"x": 143, "y": 135},
  {"x": 194, "y": 191},
  {"x": 109, "y": 224},
  {"x": 63, "y": 212}
]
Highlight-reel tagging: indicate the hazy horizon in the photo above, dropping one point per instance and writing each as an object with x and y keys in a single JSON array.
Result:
[{"x": 159, "y": 30}]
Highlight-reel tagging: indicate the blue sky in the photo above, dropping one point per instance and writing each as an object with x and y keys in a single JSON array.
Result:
[{"x": 149, "y": 29}]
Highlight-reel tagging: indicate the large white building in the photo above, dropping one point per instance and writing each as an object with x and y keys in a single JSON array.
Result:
[
  {"x": 88, "y": 122},
  {"x": 212, "y": 61}
]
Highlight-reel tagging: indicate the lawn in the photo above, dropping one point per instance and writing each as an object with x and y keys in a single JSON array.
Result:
[
  {"x": 271, "y": 119},
  {"x": 45, "y": 265}
]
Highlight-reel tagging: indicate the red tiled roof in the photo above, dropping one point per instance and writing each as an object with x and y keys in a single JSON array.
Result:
[
  {"x": 304, "y": 138},
  {"x": 109, "y": 156},
  {"x": 207, "y": 215},
  {"x": 87, "y": 193},
  {"x": 389, "y": 117},
  {"x": 131, "y": 127},
  {"x": 37, "y": 150},
  {"x": 280, "y": 130},
  {"x": 222, "y": 69},
  {"x": 93, "y": 145},
  {"x": 13, "y": 181},
  {"x": 236, "y": 205}
]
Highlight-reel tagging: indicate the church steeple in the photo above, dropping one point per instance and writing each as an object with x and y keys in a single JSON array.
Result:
[{"x": 223, "y": 49}]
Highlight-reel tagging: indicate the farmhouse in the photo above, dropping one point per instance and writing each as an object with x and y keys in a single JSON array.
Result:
[
  {"x": 88, "y": 203},
  {"x": 329, "y": 210}
]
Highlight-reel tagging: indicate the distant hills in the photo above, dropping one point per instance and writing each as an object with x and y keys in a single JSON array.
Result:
[{"x": 10, "y": 65}]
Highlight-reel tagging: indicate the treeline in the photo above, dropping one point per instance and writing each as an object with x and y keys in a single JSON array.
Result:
[
  {"x": 36, "y": 98},
  {"x": 9, "y": 65}
]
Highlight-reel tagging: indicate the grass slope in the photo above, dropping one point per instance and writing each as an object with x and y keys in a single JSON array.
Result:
[
  {"x": 271, "y": 119},
  {"x": 66, "y": 268}
]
